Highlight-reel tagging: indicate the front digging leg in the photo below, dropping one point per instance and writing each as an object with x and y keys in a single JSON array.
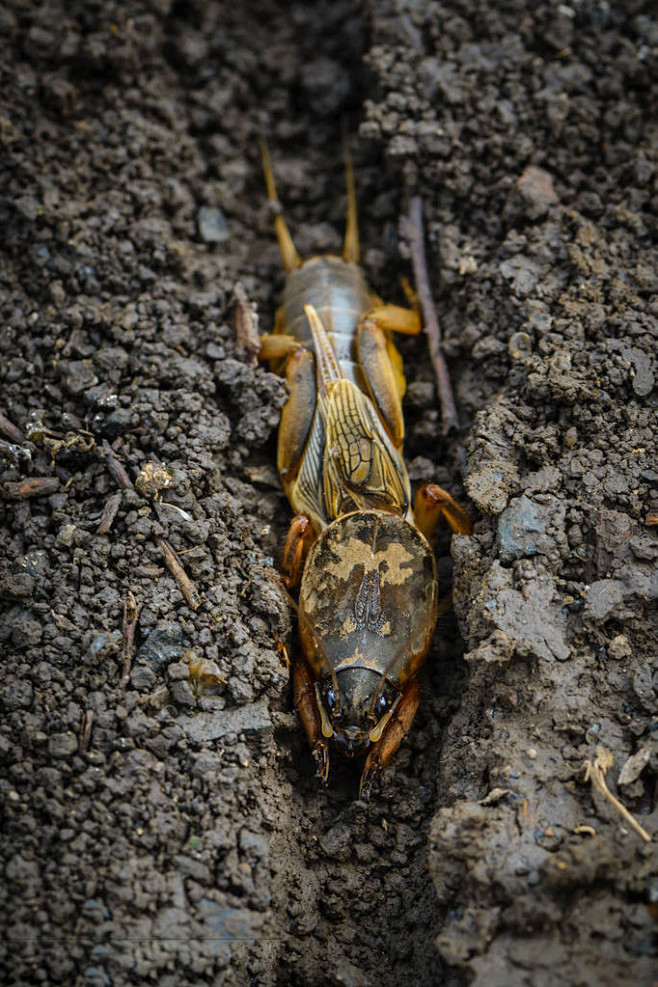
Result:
[
  {"x": 309, "y": 714},
  {"x": 382, "y": 752}
]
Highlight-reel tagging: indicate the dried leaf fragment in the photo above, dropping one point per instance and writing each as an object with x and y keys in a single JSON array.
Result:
[
  {"x": 244, "y": 317},
  {"x": 152, "y": 478},
  {"x": 634, "y": 766}
]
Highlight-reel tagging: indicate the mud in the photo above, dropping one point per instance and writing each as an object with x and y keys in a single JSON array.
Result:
[{"x": 154, "y": 831}]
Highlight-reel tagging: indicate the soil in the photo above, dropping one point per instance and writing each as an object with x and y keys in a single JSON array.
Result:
[{"x": 155, "y": 831}]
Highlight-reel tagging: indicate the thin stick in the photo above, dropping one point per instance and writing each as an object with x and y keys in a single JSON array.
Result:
[
  {"x": 12, "y": 432},
  {"x": 34, "y": 486},
  {"x": 85, "y": 731},
  {"x": 116, "y": 469},
  {"x": 414, "y": 230},
  {"x": 109, "y": 514},
  {"x": 187, "y": 587},
  {"x": 595, "y": 772},
  {"x": 130, "y": 615}
]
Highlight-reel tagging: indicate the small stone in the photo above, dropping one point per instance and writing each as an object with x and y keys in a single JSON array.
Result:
[
  {"x": 536, "y": 188},
  {"x": 17, "y": 585},
  {"x": 62, "y": 744},
  {"x": 182, "y": 694},
  {"x": 142, "y": 678},
  {"x": 619, "y": 647},
  {"x": 603, "y": 596},
  {"x": 79, "y": 376},
  {"x": 178, "y": 671},
  {"x": 337, "y": 842},
  {"x": 489, "y": 487},
  {"x": 212, "y": 225},
  {"x": 205, "y": 766},
  {"x": 163, "y": 646},
  {"x": 23, "y": 626},
  {"x": 18, "y": 694},
  {"x": 520, "y": 345},
  {"x": 254, "y": 845},
  {"x": 120, "y": 421},
  {"x": 349, "y": 975},
  {"x": 65, "y": 536},
  {"x": 522, "y": 528},
  {"x": 634, "y": 766},
  {"x": 103, "y": 646},
  {"x": 642, "y": 374},
  {"x": 571, "y": 437}
]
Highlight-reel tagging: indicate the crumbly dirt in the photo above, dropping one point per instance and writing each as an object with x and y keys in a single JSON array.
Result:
[{"x": 157, "y": 833}]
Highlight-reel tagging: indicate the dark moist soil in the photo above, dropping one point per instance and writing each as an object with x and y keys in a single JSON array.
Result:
[{"x": 185, "y": 839}]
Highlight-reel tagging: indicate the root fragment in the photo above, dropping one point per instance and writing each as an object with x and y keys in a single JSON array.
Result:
[
  {"x": 187, "y": 587},
  {"x": 595, "y": 771},
  {"x": 130, "y": 616},
  {"x": 414, "y": 231},
  {"x": 85, "y": 731}
]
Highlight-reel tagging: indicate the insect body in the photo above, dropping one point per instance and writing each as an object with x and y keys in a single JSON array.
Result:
[{"x": 368, "y": 591}]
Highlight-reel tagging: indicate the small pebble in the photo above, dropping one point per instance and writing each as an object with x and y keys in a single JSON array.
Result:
[
  {"x": 520, "y": 345},
  {"x": 63, "y": 744},
  {"x": 212, "y": 225}
]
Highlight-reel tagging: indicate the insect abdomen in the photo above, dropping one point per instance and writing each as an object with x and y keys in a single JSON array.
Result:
[{"x": 338, "y": 292}]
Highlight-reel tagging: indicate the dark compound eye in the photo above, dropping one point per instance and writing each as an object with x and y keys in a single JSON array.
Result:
[
  {"x": 330, "y": 699},
  {"x": 381, "y": 706}
]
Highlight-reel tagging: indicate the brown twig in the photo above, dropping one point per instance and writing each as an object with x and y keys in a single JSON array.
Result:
[
  {"x": 109, "y": 514},
  {"x": 12, "y": 432},
  {"x": 116, "y": 469},
  {"x": 414, "y": 230},
  {"x": 595, "y": 772},
  {"x": 130, "y": 617},
  {"x": 85, "y": 731},
  {"x": 35, "y": 486},
  {"x": 187, "y": 587}
]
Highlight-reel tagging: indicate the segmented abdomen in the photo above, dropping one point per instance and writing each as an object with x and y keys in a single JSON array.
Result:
[{"x": 338, "y": 292}]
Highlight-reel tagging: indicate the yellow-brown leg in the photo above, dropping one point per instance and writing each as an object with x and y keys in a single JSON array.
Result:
[
  {"x": 391, "y": 738},
  {"x": 432, "y": 503},
  {"x": 300, "y": 538},
  {"x": 390, "y": 319},
  {"x": 411, "y": 295},
  {"x": 296, "y": 415},
  {"x": 381, "y": 378},
  {"x": 395, "y": 318},
  {"x": 277, "y": 346},
  {"x": 307, "y": 706}
]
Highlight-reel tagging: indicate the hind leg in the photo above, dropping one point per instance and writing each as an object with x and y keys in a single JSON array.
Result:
[{"x": 432, "y": 503}]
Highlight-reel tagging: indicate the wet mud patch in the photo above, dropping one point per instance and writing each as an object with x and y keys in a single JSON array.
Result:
[{"x": 156, "y": 830}]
